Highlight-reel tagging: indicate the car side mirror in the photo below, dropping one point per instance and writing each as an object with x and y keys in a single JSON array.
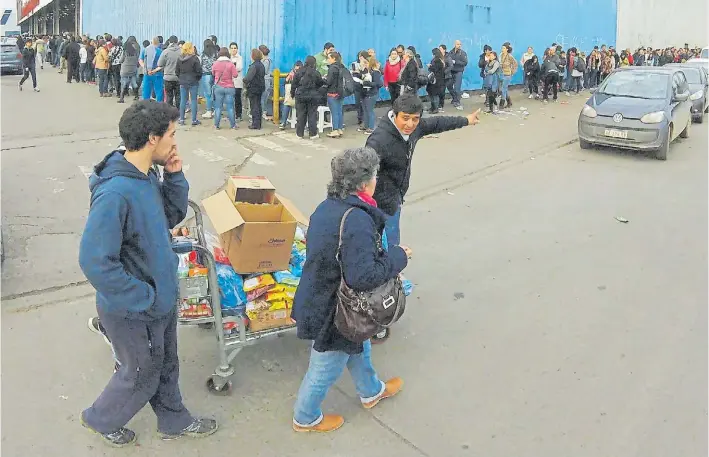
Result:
[
  {"x": 593, "y": 89},
  {"x": 683, "y": 97}
]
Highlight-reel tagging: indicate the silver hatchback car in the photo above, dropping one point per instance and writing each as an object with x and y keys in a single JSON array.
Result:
[{"x": 642, "y": 108}]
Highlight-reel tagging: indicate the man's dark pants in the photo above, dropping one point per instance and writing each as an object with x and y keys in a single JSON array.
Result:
[
  {"x": 172, "y": 89},
  {"x": 149, "y": 372}
]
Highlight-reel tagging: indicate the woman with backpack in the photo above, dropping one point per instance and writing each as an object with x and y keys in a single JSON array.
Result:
[
  {"x": 436, "y": 79},
  {"x": 335, "y": 95},
  {"x": 305, "y": 89},
  {"x": 209, "y": 55},
  {"x": 577, "y": 72}
]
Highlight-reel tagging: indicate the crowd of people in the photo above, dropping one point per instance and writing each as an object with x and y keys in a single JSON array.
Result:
[
  {"x": 570, "y": 71},
  {"x": 179, "y": 73}
]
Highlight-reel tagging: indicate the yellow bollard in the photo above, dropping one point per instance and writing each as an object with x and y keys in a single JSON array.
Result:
[{"x": 276, "y": 95}]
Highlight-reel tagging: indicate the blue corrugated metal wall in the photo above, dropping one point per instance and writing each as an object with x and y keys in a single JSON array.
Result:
[
  {"x": 294, "y": 29},
  {"x": 353, "y": 25},
  {"x": 247, "y": 22}
]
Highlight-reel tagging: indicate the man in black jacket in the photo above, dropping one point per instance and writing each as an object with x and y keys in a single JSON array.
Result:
[
  {"x": 72, "y": 60},
  {"x": 395, "y": 139},
  {"x": 29, "y": 62}
]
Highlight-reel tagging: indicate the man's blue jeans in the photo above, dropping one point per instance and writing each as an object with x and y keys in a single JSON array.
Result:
[
  {"x": 153, "y": 83},
  {"x": 192, "y": 91},
  {"x": 324, "y": 370},
  {"x": 392, "y": 228},
  {"x": 335, "y": 105},
  {"x": 457, "y": 85}
]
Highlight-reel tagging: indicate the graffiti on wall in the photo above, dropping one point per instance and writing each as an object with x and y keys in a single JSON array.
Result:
[{"x": 582, "y": 43}]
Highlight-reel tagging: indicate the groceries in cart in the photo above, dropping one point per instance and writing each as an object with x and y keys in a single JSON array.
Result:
[{"x": 258, "y": 232}]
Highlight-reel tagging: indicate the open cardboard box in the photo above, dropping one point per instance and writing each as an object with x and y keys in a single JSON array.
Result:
[{"x": 256, "y": 226}]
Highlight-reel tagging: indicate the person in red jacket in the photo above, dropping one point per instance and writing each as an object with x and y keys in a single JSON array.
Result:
[{"x": 392, "y": 69}]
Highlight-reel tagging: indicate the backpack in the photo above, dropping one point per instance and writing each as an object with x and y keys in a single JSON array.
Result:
[
  {"x": 580, "y": 65},
  {"x": 348, "y": 84},
  {"x": 424, "y": 77}
]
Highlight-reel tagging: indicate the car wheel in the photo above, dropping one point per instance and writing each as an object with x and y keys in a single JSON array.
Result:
[
  {"x": 661, "y": 154},
  {"x": 700, "y": 119},
  {"x": 685, "y": 132},
  {"x": 585, "y": 144}
]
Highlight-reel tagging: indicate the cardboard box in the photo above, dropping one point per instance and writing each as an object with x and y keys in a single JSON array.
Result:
[
  {"x": 256, "y": 226},
  {"x": 270, "y": 319}
]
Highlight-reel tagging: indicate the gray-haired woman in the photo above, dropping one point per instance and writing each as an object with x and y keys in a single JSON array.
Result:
[{"x": 365, "y": 265}]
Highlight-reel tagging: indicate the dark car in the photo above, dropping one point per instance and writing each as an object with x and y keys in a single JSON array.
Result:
[
  {"x": 10, "y": 56},
  {"x": 642, "y": 108},
  {"x": 698, "y": 86}
]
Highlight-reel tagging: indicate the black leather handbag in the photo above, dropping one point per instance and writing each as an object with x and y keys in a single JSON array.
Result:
[{"x": 361, "y": 315}]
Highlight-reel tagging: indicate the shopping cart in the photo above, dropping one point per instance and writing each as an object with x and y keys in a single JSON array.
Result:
[{"x": 228, "y": 346}]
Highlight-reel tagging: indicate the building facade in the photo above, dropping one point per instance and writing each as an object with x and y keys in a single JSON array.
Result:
[
  {"x": 294, "y": 29},
  {"x": 661, "y": 24}
]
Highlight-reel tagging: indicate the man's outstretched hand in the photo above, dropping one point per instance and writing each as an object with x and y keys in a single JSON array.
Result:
[{"x": 474, "y": 118}]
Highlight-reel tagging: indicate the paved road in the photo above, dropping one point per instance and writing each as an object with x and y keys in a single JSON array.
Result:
[{"x": 540, "y": 325}]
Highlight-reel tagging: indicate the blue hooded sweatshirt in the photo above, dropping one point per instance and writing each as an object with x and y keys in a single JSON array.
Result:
[{"x": 125, "y": 250}]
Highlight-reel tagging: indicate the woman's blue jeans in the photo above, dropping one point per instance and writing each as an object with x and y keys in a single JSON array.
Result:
[
  {"x": 286, "y": 112},
  {"x": 368, "y": 103},
  {"x": 102, "y": 80},
  {"x": 205, "y": 85},
  {"x": 224, "y": 95},
  {"x": 192, "y": 91},
  {"x": 324, "y": 370},
  {"x": 268, "y": 93},
  {"x": 505, "y": 84},
  {"x": 335, "y": 105}
]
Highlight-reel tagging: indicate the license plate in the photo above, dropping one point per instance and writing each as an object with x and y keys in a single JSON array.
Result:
[{"x": 616, "y": 133}]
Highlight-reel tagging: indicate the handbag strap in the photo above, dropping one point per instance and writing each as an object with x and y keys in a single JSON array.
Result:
[{"x": 339, "y": 243}]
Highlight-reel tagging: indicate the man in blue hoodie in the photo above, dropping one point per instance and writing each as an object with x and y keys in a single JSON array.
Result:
[{"x": 127, "y": 256}]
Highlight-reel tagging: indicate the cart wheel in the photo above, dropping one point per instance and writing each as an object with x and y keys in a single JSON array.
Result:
[
  {"x": 381, "y": 337},
  {"x": 222, "y": 390},
  {"x": 206, "y": 326}
]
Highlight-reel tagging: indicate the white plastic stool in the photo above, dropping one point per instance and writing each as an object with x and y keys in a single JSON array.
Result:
[
  {"x": 322, "y": 123},
  {"x": 292, "y": 118}
]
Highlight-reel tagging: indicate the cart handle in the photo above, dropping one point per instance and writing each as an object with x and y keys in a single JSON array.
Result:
[
  {"x": 198, "y": 222},
  {"x": 182, "y": 247}
]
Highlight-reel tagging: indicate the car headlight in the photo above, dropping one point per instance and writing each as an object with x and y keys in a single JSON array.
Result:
[
  {"x": 697, "y": 95},
  {"x": 653, "y": 118},
  {"x": 588, "y": 111}
]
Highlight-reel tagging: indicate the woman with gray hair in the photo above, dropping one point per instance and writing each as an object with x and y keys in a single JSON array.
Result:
[{"x": 365, "y": 265}]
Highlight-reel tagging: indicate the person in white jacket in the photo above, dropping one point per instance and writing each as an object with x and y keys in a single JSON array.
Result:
[
  {"x": 238, "y": 62},
  {"x": 83, "y": 56}
]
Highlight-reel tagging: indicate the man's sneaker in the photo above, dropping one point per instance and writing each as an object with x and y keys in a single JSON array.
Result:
[
  {"x": 199, "y": 428},
  {"x": 459, "y": 108},
  {"x": 195, "y": 123},
  {"x": 120, "y": 438},
  {"x": 329, "y": 423},
  {"x": 530, "y": 96},
  {"x": 391, "y": 388},
  {"x": 316, "y": 137},
  {"x": 96, "y": 327},
  {"x": 20, "y": 87},
  {"x": 440, "y": 110},
  {"x": 36, "y": 89}
]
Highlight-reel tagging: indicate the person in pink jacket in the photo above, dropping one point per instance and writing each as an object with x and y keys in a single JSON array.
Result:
[{"x": 224, "y": 73}]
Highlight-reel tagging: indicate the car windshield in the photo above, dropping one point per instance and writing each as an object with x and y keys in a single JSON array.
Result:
[
  {"x": 705, "y": 53},
  {"x": 6, "y": 48},
  {"x": 636, "y": 84},
  {"x": 692, "y": 75}
]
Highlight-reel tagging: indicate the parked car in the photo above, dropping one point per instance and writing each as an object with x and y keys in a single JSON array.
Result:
[
  {"x": 10, "y": 56},
  {"x": 698, "y": 86},
  {"x": 641, "y": 108}
]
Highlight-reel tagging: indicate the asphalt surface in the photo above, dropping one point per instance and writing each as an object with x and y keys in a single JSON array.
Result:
[{"x": 540, "y": 324}]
